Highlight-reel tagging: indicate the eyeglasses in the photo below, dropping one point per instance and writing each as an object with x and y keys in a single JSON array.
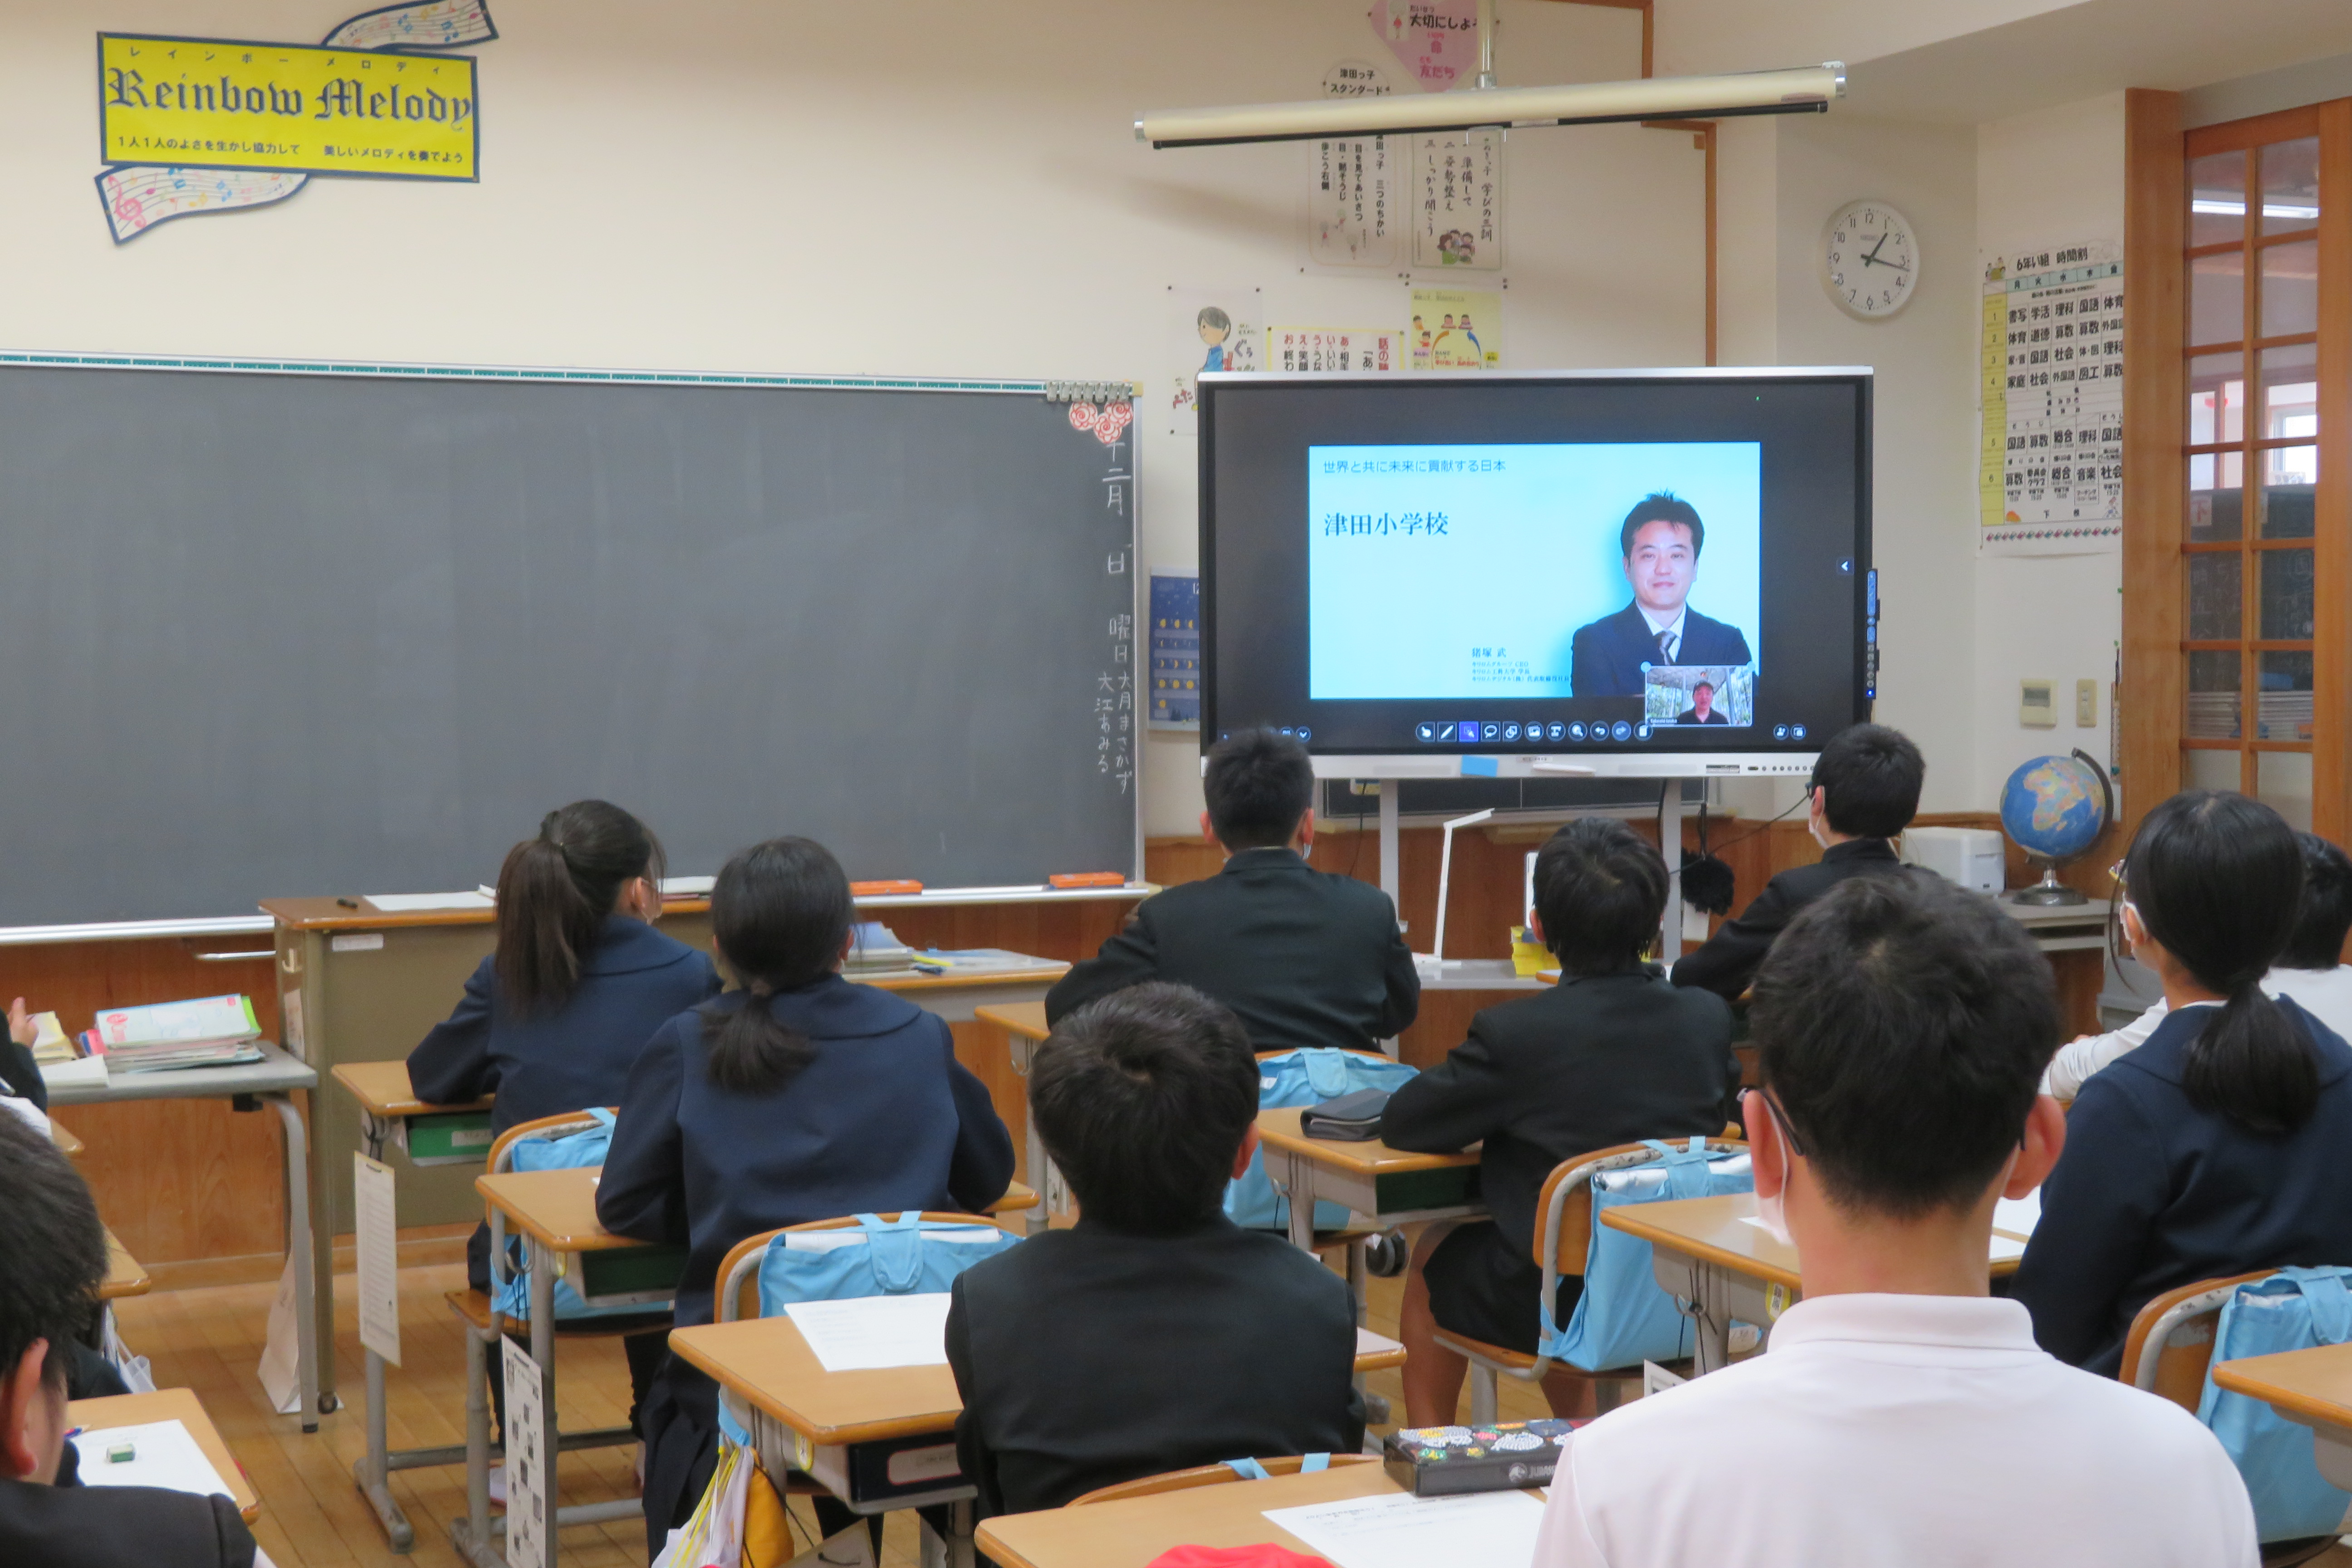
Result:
[{"x": 1780, "y": 1118}]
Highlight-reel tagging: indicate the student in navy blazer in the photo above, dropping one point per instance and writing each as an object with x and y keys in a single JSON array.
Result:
[
  {"x": 552, "y": 1021},
  {"x": 800, "y": 1097},
  {"x": 1660, "y": 540},
  {"x": 2218, "y": 1147}
]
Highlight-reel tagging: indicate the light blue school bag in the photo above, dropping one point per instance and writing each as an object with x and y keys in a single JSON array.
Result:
[
  {"x": 1305, "y": 1077},
  {"x": 904, "y": 1256},
  {"x": 2293, "y": 1310},
  {"x": 1624, "y": 1318},
  {"x": 569, "y": 1152}
]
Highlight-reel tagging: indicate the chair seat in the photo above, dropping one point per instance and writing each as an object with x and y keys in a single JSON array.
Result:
[
  {"x": 1521, "y": 1361},
  {"x": 474, "y": 1306}
]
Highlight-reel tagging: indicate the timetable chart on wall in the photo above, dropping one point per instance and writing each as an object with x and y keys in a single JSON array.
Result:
[{"x": 2051, "y": 477}]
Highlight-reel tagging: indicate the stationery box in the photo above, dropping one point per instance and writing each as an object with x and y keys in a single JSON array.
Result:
[{"x": 1440, "y": 1462}]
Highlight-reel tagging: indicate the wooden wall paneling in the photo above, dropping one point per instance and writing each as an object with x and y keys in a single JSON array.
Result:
[
  {"x": 2331, "y": 655},
  {"x": 2155, "y": 426},
  {"x": 174, "y": 1179}
]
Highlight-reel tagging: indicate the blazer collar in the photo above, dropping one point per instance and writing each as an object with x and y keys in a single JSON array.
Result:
[
  {"x": 835, "y": 1008},
  {"x": 1859, "y": 849},
  {"x": 626, "y": 946},
  {"x": 2165, "y": 1053},
  {"x": 1271, "y": 858}
]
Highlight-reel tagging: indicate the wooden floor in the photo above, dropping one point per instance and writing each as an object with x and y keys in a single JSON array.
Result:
[{"x": 312, "y": 1515}]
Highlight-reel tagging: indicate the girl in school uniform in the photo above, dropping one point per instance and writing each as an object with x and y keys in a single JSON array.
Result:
[
  {"x": 580, "y": 980},
  {"x": 797, "y": 1097},
  {"x": 2217, "y": 1147}
]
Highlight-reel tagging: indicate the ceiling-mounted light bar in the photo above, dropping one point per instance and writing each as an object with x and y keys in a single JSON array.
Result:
[{"x": 1806, "y": 90}]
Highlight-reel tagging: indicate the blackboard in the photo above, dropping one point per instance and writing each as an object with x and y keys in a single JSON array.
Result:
[{"x": 288, "y": 629}]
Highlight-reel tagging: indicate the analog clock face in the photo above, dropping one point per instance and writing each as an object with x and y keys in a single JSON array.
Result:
[{"x": 1870, "y": 259}]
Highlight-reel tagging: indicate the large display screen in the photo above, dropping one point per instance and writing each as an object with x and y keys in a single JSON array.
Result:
[{"x": 1539, "y": 563}]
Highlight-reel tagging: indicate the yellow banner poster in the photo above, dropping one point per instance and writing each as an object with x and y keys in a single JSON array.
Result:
[{"x": 221, "y": 104}]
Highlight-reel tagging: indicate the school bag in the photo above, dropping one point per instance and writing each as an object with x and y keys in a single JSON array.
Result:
[
  {"x": 903, "y": 1256},
  {"x": 2293, "y": 1310},
  {"x": 569, "y": 1152},
  {"x": 1624, "y": 1318},
  {"x": 1305, "y": 1076}
]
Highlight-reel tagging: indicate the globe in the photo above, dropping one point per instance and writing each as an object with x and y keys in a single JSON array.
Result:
[{"x": 2054, "y": 808}]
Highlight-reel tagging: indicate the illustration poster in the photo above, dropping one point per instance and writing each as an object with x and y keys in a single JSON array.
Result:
[
  {"x": 1352, "y": 349},
  {"x": 1457, "y": 329},
  {"x": 1455, "y": 192},
  {"x": 1209, "y": 328},
  {"x": 1354, "y": 202},
  {"x": 2050, "y": 465},
  {"x": 1175, "y": 610},
  {"x": 1435, "y": 40}
]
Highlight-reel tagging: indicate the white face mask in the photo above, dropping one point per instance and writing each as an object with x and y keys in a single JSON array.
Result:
[{"x": 1774, "y": 1218}]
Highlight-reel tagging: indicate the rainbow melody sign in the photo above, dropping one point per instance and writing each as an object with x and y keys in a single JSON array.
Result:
[{"x": 191, "y": 126}]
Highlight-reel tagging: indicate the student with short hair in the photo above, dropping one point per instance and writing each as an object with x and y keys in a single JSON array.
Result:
[
  {"x": 1864, "y": 791},
  {"x": 1612, "y": 1054},
  {"x": 1154, "y": 1334},
  {"x": 1900, "y": 1413},
  {"x": 52, "y": 1260},
  {"x": 1306, "y": 958},
  {"x": 798, "y": 1096},
  {"x": 553, "y": 1018},
  {"x": 2216, "y": 1148},
  {"x": 2311, "y": 971}
]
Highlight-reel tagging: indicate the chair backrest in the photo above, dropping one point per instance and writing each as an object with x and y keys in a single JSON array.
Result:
[
  {"x": 1203, "y": 1476},
  {"x": 2171, "y": 1340},
  {"x": 1566, "y": 1198},
  {"x": 738, "y": 1271}
]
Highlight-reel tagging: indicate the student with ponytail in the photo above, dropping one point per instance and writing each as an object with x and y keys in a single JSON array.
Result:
[
  {"x": 580, "y": 980},
  {"x": 2217, "y": 1147},
  {"x": 797, "y": 1096}
]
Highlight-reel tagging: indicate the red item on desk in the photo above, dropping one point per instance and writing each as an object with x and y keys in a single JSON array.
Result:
[{"x": 1263, "y": 1555}]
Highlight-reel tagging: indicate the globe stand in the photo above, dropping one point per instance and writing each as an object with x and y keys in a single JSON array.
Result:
[{"x": 2047, "y": 894}]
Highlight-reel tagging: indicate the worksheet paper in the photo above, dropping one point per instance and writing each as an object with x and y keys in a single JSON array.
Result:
[
  {"x": 419, "y": 903},
  {"x": 1396, "y": 1531},
  {"x": 167, "y": 1456},
  {"x": 377, "y": 1235},
  {"x": 527, "y": 1459},
  {"x": 875, "y": 1332}
]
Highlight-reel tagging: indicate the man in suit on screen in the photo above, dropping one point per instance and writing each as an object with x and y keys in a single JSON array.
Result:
[{"x": 1662, "y": 538}]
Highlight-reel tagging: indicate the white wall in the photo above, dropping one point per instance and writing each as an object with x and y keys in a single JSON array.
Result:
[
  {"x": 1695, "y": 36},
  {"x": 899, "y": 186},
  {"x": 2050, "y": 177}
]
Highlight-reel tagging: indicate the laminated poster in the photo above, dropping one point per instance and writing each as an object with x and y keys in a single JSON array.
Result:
[
  {"x": 1456, "y": 329},
  {"x": 2050, "y": 468}
]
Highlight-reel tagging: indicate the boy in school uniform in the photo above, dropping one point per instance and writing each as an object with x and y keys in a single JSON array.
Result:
[
  {"x": 52, "y": 1258},
  {"x": 1611, "y": 1055},
  {"x": 1155, "y": 1334},
  {"x": 1901, "y": 1414},
  {"x": 1306, "y": 958},
  {"x": 1864, "y": 791}
]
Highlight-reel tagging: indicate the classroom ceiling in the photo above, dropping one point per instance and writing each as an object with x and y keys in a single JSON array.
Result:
[{"x": 2082, "y": 51}]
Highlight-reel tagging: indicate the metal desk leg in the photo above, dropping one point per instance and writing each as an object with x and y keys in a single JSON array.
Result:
[
  {"x": 1302, "y": 1203},
  {"x": 301, "y": 1241},
  {"x": 372, "y": 1472},
  {"x": 1018, "y": 1049},
  {"x": 955, "y": 1551},
  {"x": 1707, "y": 1292},
  {"x": 320, "y": 1295},
  {"x": 474, "y": 1543},
  {"x": 542, "y": 1350}
]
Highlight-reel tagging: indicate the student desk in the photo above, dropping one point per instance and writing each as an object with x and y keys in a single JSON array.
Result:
[
  {"x": 878, "y": 1440},
  {"x": 1022, "y": 1024},
  {"x": 358, "y": 985},
  {"x": 1704, "y": 1251},
  {"x": 270, "y": 1081},
  {"x": 71, "y": 1147},
  {"x": 179, "y": 1404},
  {"x": 391, "y": 1115},
  {"x": 2312, "y": 1388},
  {"x": 1389, "y": 1186},
  {"x": 125, "y": 1275},
  {"x": 1131, "y": 1532}
]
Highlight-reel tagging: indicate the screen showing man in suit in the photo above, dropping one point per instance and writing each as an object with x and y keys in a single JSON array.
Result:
[{"x": 1504, "y": 569}]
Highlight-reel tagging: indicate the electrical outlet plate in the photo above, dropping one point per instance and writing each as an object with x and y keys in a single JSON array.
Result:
[
  {"x": 2087, "y": 704},
  {"x": 2037, "y": 704}
]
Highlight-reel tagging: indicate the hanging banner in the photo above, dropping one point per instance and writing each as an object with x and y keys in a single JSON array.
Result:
[
  {"x": 191, "y": 126},
  {"x": 1437, "y": 40},
  {"x": 2050, "y": 463}
]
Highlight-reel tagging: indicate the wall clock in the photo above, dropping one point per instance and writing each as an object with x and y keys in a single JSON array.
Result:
[{"x": 1870, "y": 259}]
